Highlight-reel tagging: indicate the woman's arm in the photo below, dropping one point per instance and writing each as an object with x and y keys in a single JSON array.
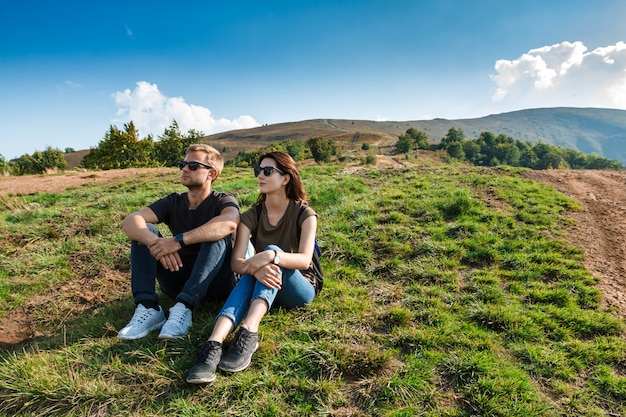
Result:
[
  {"x": 260, "y": 265},
  {"x": 302, "y": 259},
  {"x": 242, "y": 238}
]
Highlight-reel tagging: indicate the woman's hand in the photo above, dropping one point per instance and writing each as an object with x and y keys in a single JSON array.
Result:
[
  {"x": 270, "y": 275},
  {"x": 256, "y": 262}
]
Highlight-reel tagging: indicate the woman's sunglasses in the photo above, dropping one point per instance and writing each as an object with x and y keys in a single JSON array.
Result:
[
  {"x": 193, "y": 165},
  {"x": 267, "y": 171}
]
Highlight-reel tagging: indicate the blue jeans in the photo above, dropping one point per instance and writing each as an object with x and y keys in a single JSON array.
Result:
[
  {"x": 296, "y": 291},
  {"x": 206, "y": 274}
]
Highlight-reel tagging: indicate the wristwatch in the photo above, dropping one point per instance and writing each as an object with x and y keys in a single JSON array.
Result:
[
  {"x": 179, "y": 238},
  {"x": 276, "y": 258}
]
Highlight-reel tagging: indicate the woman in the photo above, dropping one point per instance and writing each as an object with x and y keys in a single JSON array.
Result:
[{"x": 282, "y": 229}]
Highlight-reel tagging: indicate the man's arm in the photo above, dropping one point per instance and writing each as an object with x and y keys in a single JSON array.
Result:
[
  {"x": 135, "y": 226},
  {"x": 215, "y": 229}
]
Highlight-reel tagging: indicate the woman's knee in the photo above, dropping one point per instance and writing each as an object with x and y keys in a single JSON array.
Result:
[{"x": 274, "y": 248}]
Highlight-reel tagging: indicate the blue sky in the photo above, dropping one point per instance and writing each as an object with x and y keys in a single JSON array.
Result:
[{"x": 70, "y": 69}]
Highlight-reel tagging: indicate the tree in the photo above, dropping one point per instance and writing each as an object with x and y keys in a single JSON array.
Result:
[
  {"x": 551, "y": 160},
  {"x": 472, "y": 152},
  {"x": 296, "y": 148},
  {"x": 528, "y": 158},
  {"x": 410, "y": 140},
  {"x": 121, "y": 149},
  {"x": 418, "y": 138},
  {"x": 597, "y": 162},
  {"x": 403, "y": 145},
  {"x": 171, "y": 146},
  {"x": 39, "y": 162},
  {"x": 322, "y": 149},
  {"x": 453, "y": 136},
  {"x": 245, "y": 158},
  {"x": 4, "y": 166},
  {"x": 50, "y": 160},
  {"x": 507, "y": 153},
  {"x": 24, "y": 165},
  {"x": 575, "y": 159},
  {"x": 455, "y": 150}
]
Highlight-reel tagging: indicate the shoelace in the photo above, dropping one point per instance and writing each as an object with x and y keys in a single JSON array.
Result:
[
  {"x": 207, "y": 352},
  {"x": 179, "y": 316},
  {"x": 242, "y": 342},
  {"x": 141, "y": 316}
]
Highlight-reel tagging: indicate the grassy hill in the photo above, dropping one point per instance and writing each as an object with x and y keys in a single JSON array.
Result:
[
  {"x": 600, "y": 131},
  {"x": 449, "y": 291}
]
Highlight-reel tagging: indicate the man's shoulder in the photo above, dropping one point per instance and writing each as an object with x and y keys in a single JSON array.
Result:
[
  {"x": 223, "y": 199},
  {"x": 222, "y": 195},
  {"x": 170, "y": 198}
]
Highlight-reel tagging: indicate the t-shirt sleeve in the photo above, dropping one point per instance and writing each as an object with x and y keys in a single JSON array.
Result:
[
  {"x": 163, "y": 207},
  {"x": 308, "y": 212},
  {"x": 226, "y": 200},
  {"x": 249, "y": 218}
]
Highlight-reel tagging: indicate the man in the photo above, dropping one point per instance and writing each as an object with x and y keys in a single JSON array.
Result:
[{"x": 192, "y": 264}]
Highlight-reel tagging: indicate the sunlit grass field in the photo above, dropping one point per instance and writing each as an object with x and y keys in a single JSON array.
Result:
[{"x": 449, "y": 291}]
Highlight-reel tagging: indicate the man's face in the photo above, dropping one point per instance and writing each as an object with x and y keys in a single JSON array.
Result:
[{"x": 198, "y": 177}]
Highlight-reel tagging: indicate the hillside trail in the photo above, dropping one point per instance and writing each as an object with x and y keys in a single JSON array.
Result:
[
  {"x": 599, "y": 230},
  {"x": 600, "y": 227}
]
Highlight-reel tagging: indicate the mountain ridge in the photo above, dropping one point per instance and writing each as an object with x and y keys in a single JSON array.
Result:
[{"x": 588, "y": 130}]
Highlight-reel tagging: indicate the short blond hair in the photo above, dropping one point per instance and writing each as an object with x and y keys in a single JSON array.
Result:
[{"x": 213, "y": 156}]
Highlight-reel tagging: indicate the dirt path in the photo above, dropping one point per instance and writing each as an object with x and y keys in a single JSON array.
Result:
[{"x": 600, "y": 229}]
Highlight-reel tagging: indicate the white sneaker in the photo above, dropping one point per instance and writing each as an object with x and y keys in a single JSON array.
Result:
[
  {"x": 178, "y": 323},
  {"x": 143, "y": 322}
]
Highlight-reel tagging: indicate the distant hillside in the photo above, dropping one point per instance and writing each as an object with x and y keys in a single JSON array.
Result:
[
  {"x": 588, "y": 130},
  {"x": 600, "y": 131}
]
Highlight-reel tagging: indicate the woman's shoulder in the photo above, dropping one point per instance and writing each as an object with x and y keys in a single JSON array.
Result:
[{"x": 303, "y": 209}]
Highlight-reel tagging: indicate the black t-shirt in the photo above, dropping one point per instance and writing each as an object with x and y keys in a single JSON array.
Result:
[{"x": 174, "y": 211}]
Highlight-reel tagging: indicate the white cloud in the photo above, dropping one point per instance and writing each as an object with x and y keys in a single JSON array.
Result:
[
  {"x": 152, "y": 112},
  {"x": 564, "y": 74}
]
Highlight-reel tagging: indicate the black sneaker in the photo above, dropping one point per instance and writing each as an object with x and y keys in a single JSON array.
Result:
[
  {"x": 239, "y": 353},
  {"x": 204, "y": 369}
]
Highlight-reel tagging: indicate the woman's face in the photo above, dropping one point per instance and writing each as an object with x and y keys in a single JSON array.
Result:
[{"x": 269, "y": 178}]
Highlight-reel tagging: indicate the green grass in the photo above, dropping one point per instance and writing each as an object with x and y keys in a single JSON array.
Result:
[{"x": 449, "y": 291}]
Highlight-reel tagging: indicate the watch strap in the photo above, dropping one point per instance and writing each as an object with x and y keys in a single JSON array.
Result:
[{"x": 180, "y": 239}]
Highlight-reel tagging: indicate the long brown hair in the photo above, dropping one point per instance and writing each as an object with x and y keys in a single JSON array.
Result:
[{"x": 284, "y": 162}]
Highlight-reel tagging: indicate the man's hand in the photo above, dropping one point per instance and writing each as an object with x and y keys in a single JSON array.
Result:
[{"x": 165, "y": 250}]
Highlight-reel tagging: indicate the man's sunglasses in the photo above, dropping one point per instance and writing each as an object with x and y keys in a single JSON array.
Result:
[
  {"x": 193, "y": 165},
  {"x": 267, "y": 171}
]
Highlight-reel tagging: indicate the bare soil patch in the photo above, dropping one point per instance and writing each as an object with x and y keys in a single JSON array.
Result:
[
  {"x": 29, "y": 184},
  {"x": 600, "y": 231}
]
